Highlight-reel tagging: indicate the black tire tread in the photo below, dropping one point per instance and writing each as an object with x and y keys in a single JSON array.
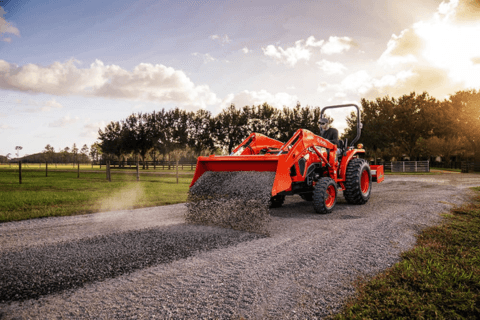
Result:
[
  {"x": 353, "y": 193},
  {"x": 319, "y": 195}
]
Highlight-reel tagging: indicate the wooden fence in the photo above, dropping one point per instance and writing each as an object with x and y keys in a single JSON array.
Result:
[
  {"x": 405, "y": 166},
  {"x": 468, "y": 167},
  {"x": 163, "y": 164}
]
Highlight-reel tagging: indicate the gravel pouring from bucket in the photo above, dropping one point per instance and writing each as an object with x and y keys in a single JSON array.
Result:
[{"x": 238, "y": 200}]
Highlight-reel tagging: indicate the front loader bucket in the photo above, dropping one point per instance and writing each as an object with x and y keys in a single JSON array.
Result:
[
  {"x": 259, "y": 163},
  {"x": 236, "y": 191}
]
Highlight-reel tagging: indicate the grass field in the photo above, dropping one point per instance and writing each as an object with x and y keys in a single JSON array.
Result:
[
  {"x": 438, "y": 279},
  {"x": 412, "y": 173},
  {"x": 446, "y": 169},
  {"x": 62, "y": 193},
  {"x": 89, "y": 167}
]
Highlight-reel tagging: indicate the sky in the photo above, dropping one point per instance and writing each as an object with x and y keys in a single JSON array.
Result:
[{"x": 68, "y": 68}]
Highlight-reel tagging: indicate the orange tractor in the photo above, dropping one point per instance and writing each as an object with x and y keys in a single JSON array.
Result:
[{"x": 308, "y": 165}]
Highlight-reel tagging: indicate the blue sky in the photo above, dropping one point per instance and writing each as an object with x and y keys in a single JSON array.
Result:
[{"x": 67, "y": 68}]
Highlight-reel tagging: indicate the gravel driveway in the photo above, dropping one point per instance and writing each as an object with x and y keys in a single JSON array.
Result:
[{"x": 147, "y": 263}]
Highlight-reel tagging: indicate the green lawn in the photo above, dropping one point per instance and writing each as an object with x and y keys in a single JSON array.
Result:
[
  {"x": 62, "y": 193},
  {"x": 438, "y": 279},
  {"x": 412, "y": 173},
  {"x": 446, "y": 169},
  {"x": 89, "y": 167}
]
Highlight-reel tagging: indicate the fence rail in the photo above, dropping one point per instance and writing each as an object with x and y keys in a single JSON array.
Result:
[
  {"x": 406, "y": 166},
  {"x": 156, "y": 164},
  {"x": 410, "y": 166}
]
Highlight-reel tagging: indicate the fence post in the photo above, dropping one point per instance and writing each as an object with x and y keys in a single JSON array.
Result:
[
  {"x": 108, "y": 171},
  {"x": 138, "y": 174},
  {"x": 20, "y": 171},
  {"x": 78, "y": 170},
  {"x": 415, "y": 166}
]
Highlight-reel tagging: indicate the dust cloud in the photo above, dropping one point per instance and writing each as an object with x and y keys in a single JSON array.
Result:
[{"x": 125, "y": 199}]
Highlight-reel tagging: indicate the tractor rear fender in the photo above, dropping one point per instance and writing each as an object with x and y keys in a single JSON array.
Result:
[{"x": 345, "y": 161}]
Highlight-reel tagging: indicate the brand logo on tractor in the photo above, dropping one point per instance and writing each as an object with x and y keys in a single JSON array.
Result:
[{"x": 321, "y": 142}]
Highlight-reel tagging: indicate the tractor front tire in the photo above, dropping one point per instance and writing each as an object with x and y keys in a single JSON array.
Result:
[
  {"x": 325, "y": 195},
  {"x": 358, "y": 182},
  {"x": 277, "y": 201}
]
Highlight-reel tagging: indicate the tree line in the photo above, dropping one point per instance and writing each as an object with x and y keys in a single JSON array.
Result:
[
  {"x": 66, "y": 155},
  {"x": 179, "y": 132},
  {"x": 413, "y": 126},
  {"x": 419, "y": 126},
  {"x": 416, "y": 126}
]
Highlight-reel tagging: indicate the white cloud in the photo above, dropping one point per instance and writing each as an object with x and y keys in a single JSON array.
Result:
[
  {"x": 249, "y": 98},
  {"x": 5, "y": 127},
  {"x": 402, "y": 49},
  {"x": 331, "y": 67},
  {"x": 63, "y": 122},
  {"x": 312, "y": 43},
  {"x": 7, "y": 27},
  {"x": 337, "y": 45},
  {"x": 303, "y": 49},
  {"x": 441, "y": 52},
  {"x": 359, "y": 82},
  {"x": 223, "y": 39},
  {"x": 146, "y": 82},
  {"x": 53, "y": 103},
  {"x": 290, "y": 56},
  {"x": 48, "y": 105},
  {"x": 246, "y": 50},
  {"x": 206, "y": 57},
  {"x": 362, "y": 84},
  {"x": 6, "y": 40},
  {"x": 44, "y": 106},
  {"x": 322, "y": 87},
  {"x": 462, "y": 11},
  {"x": 90, "y": 130}
]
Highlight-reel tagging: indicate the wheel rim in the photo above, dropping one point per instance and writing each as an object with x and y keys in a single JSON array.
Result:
[
  {"x": 365, "y": 182},
  {"x": 330, "y": 200}
]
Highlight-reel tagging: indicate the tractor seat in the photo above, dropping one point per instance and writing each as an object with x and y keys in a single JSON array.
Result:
[{"x": 341, "y": 146}]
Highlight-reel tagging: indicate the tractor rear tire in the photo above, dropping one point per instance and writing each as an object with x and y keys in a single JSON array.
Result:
[
  {"x": 325, "y": 195},
  {"x": 358, "y": 182},
  {"x": 277, "y": 201},
  {"x": 307, "y": 196}
]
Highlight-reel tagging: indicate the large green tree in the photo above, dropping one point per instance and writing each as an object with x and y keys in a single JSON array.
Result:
[
  {"x": 138, "y": 136},
  {"x": 112, "y": 141},
  {"x": 398, "y": 126},
  {"x": 465, "y": 116},
  {"x": 199, "y": 130},
  {"x": 230, "y": 128}
]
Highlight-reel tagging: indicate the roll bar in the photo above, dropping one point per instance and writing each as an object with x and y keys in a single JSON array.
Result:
[{"x": 359, "y": 124}]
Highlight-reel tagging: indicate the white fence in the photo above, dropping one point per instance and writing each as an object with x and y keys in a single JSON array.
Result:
[{"x": 410, "y": 166}]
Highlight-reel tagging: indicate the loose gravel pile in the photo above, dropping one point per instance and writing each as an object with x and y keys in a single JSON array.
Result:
[
  {"x": 47, "y": 269},
  {"x": 237, "y": 200}
]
